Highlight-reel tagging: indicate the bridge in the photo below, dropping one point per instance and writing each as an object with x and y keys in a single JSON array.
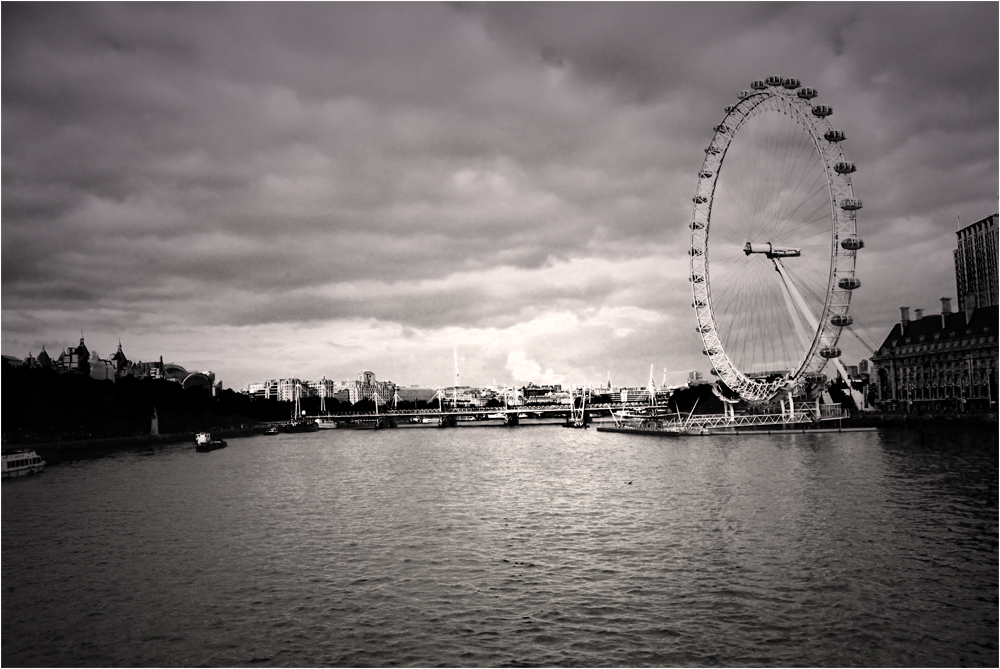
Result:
[{"x": 511, "y": 415}]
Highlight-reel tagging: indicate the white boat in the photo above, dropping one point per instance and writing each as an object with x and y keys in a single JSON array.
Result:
[
  {"x": 21, "y": 463},
  {"x": 327, "y": 424}
]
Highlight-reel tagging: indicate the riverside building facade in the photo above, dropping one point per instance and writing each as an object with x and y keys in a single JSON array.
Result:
[{"x": 947, "y": 362}]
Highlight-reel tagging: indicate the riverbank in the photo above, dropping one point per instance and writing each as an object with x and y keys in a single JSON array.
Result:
[
  {"x": 56, "y": 451},
  {"x": 915, "y": 420}
]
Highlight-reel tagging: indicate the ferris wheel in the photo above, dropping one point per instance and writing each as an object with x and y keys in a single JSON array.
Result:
[{"x": 774, "y": 241}]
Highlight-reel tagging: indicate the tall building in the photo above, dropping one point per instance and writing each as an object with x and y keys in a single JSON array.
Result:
[{"x": 976, "y": 265}]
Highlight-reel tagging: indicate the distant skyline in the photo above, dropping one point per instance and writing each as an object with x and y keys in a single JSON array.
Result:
[{"x": 271, "y": 190}]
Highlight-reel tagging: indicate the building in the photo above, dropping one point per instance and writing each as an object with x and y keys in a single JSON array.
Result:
[
  {"x": 74, "y": 359},
  {"x": 947, "y": 362},
  {"x": 942, "y": 363},
  {"x": 366, "y": 387},
  {"x": 80, "y": 360},
  {"x": 976, "y": 264},
  {"x": 414, "y": 394}
]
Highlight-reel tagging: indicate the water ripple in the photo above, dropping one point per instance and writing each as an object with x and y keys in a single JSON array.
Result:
[{"x": 510, "y": 548}]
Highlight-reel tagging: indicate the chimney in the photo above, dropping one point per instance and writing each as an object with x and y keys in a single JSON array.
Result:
[
  {"x": 945, "y": 311},
  {"x": 904, "y": 319},
  {"x": 918, "y": 314}
]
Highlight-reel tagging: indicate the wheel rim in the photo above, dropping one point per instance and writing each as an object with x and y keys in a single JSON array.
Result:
[{"x": 774, "y": 174}]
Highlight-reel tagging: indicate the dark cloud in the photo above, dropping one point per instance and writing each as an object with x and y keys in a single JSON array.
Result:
[{"x": 242, "y": 166}]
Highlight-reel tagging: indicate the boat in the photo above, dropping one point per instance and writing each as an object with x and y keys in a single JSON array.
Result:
[
  {"x": 271, "y": 430},
  {"x": 299, "y": 426},
  {"x": 365, "y": 424},
  {"x": 21, "y": 463},
  {"x": 203, "y": 442},
  {"x": 327, "y": 424}
]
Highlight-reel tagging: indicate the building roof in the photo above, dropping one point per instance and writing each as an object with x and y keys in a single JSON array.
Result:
[{"x": 983, "y": 321}]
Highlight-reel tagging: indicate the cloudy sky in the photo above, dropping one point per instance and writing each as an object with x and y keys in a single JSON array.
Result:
[{"x": 269, "y": 190}]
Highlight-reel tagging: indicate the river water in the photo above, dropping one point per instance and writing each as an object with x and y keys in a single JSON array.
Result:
[{"x": 531, "y": 546}]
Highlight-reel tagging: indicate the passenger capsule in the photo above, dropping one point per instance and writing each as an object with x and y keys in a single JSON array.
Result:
[
  {"x": 697, "y": 278},
  {"x": 790, "y": 84},
  {"x": 830, "y": 352},
  {"x": 697, "y": 304},
  {"x": 773, "y": 81},
  {"x": 850, "y": 204},
  {"x": 713, "y": 371},
  {"x": 695, "y": 251},
  {"x": 703, "y": 328},
  {"x": 699, "y": 199},
  {"x": 852, "y": 243},
  {"x": 698, "y": 225},
  {"x": 758, "y": 85},
  {"x": 841, "y": 320},
  {"x": 712, "y": 150},
  {"x": 743, "y": 95},
  {"x": 729, "y": 108},
  {"x": 710, "y": 351},
  {"x": 706, "y": 174},
  {"x": 807, "y": 93},
  {"x": 845, "y": 168},
  {"x": 822, "y": 110},
  {"x": 721, "y": 128},
  {"x": 834, "y": 136},
  {"x": 849, "y": 283}
]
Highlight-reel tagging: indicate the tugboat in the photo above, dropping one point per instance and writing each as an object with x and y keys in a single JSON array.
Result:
[
  {"x": 271, "y": 430},
  {"x": 21, "y": 463},
  {"x": 203, "y": 442}
]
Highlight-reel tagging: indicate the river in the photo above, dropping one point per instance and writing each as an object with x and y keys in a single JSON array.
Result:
[{"x": 530, "y": 546}]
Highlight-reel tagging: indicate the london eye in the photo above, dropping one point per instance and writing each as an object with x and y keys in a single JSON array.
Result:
[{"x": 774, "y": 241}]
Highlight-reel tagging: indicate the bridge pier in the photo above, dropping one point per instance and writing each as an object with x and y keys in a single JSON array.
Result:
[
  {"x": 584, "y": 421},
  {"x": 511, "y": 419},
  {"x": 448, "y": 421}
]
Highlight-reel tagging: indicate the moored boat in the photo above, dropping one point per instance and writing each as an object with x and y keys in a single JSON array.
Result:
[
  {"x": 21, "y": 463},
  {"x": 203, "y": 442},
  {"x": 298, "y": 426},
  {"x": 271, "y": 430}
]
